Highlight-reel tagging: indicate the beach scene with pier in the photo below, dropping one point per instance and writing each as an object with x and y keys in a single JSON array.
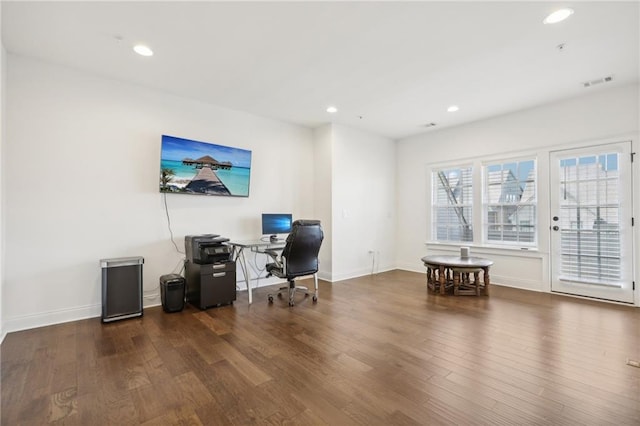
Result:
[{"x": 193, "y": 167}]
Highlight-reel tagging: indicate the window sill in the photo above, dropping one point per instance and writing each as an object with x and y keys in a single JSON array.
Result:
[{"x": 487, "y": 249}]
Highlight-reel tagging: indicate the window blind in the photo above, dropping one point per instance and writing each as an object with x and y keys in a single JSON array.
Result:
[
  {"x": 590, "y": 219},
  {"x": 453, "y": 204},
  {"x": 510, "y": 202}
]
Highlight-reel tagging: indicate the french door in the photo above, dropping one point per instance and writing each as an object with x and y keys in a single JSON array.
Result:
[{"x": 591, "y": 219}]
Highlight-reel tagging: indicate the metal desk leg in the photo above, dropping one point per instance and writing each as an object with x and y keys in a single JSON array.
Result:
[
  {"x": 247, "y": 277},
  {"x": 245, "y": 271}
]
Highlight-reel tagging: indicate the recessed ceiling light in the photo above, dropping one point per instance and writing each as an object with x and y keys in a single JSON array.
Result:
[
  {"x": 143, "y": 50},
  {"x": 453, "y": 108},
  {"x": 558, "y": 15},
  {"x": 332, "y": 110}
]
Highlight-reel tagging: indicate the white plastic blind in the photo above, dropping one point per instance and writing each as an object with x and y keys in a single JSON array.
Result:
[
  {"x": 590, "y": 219},
  {"x": 453, "y": 204},
  {"x": 510, "y": 202}
]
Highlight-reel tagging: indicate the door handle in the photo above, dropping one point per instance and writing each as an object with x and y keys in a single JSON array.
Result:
[{"x": 556, "y": 228}]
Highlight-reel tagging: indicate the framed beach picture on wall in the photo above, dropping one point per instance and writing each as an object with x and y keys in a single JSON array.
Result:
[{"x": 202, "y": 168}]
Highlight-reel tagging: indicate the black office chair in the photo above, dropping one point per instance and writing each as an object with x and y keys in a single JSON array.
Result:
[{"x": 298, "y": 258}]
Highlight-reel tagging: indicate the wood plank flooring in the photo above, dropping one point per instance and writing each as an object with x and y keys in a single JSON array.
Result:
[{"x": 376, "y": 350}]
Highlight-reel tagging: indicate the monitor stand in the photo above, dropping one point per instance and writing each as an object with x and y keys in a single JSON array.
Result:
[{"x": 273, "y": 238}]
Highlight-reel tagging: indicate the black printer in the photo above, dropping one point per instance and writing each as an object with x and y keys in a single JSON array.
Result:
[
  {"x": 207, "y": 249},
  {"x": 210, "y": 271}
]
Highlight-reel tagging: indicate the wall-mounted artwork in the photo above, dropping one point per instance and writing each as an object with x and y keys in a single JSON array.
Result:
[{"x": 193, "y": 167}]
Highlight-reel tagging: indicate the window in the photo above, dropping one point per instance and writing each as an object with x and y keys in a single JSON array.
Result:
[
  {"x": 452, "y": 204},
  {"x": 590, "y": 214},
  {"x": 510, "y": 202}
]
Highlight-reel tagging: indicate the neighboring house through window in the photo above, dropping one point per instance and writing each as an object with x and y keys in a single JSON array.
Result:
[
  {"x": 452, "y": 214},
  {"x": 510, "y": 202}
]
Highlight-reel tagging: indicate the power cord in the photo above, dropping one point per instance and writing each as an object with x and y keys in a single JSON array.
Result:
[
  {"x": 148, "y": 293},
  {"x": 166, "y": 209},
  {"x": 180, "y": 262},
  {"x": 257, "y": 270},
  {"x": 153, "y": 293}
]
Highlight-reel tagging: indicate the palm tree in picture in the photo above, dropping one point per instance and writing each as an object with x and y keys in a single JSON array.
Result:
[{"x": 166, "y": 175}]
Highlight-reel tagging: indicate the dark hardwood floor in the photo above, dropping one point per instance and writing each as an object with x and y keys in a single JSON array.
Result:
[{"x": 376, "y": 350}]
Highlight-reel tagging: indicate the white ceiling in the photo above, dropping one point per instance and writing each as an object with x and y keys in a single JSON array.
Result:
[{"x": 390, "y": 67}]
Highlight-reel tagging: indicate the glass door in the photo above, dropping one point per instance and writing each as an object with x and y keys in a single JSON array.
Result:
[{"x": 591, "y": 219}]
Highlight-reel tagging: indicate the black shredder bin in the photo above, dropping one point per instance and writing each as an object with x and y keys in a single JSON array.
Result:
[{"x": 172, "y": 292}]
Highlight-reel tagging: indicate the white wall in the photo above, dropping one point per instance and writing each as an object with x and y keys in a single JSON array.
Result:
[
  {"x": 605, "y": 115},
  {"x": 323, "y": 142},
  {"x": 81, "y": 168},
  {"x": 2, "y": 131},
  {"x": 363, "y": 203},
  {"x": 355, "y": 199}
]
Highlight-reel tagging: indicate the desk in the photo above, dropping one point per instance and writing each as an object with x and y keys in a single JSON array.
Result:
[
  {"x": 450, "y": 269},
  {"x": 255, "y": 246}
]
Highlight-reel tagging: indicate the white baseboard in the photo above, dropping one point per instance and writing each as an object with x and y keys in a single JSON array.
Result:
[
  {"x": 256, "y": 283},
  {"x": 412, "y": 267},
  {"x": 360, "y": 273},
  {"x": 523, "y": 284},
  {"x": 43, "y": 319},
  {"x": 325, "y": 276},
  {"x": 329, "y": 277}
]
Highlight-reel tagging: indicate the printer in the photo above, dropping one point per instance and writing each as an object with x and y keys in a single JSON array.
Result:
[
  {"x": 207, "y": 249},
  {"x": 210, "y": 271}
]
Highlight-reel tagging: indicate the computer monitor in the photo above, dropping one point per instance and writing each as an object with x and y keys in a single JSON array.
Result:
[{"x": 276, "y": 223}]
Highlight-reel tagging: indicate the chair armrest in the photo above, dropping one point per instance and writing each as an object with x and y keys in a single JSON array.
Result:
[{"x": 274, "y": 253}]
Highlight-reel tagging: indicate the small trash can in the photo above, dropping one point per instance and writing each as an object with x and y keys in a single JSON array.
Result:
[{"x": 172, "y": 292}]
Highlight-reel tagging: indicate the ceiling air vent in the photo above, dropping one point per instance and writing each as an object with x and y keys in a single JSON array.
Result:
[{"x": 597, "y": 81}]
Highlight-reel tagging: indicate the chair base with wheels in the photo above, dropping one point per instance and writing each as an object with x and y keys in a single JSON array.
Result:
[{"x": 292, "y": 289}]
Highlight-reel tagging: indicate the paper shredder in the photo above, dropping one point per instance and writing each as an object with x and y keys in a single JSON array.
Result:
[{"x": 172, "y": 292}]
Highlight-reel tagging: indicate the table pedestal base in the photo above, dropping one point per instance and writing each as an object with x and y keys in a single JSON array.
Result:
[{"x": 460, "y": 276}]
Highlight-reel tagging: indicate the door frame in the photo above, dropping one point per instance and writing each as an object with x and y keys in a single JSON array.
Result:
[{"x": 630, "y": 206}]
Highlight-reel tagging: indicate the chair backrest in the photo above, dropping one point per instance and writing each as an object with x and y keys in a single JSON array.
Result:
[{"x": 302, "y": 248}]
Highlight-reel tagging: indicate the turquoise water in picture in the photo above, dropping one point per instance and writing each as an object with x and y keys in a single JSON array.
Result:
[{"x": 236, "y": 179}]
